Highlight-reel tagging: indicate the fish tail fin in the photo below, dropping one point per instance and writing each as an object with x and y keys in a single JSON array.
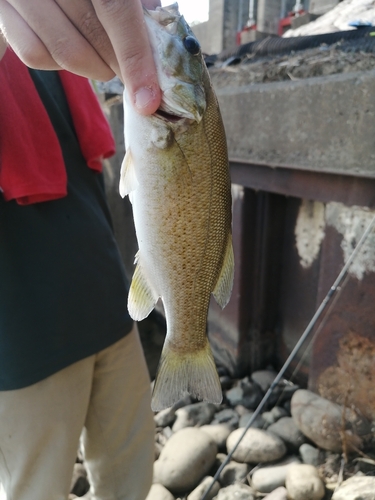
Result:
[{"x": 188, "y": 373}]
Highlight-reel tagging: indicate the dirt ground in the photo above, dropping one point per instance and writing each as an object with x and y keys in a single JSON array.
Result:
[{"x": 322, "y": 61}]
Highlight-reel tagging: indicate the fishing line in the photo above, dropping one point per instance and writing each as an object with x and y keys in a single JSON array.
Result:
[
  {"x": 322, "y": 324},
  {"x": 316, "y": 333},
  {"x": 296, "y": 348}
]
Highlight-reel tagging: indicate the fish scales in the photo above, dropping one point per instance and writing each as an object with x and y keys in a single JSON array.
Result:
[{"x": 176, "y": 173}]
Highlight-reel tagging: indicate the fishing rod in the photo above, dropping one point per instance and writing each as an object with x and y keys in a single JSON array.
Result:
[{"x": 295, "y": 350}]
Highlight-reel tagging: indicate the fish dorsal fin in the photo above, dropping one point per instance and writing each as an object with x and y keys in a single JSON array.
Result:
[
  {"x": 142, "y": 298},
  {"x": 224, "y": 284},
  {"x": 128, "y": 178}
]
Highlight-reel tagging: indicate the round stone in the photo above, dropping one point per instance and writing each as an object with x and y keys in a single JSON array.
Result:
[
  {"x": 159, "y": 492},
  {"x": 356, "y": 488},
  {"x": 218, "y": 432},
  {"x": 185, "y": 459},
  {"x": 267, "y": 479},
  {"x": 202, "y": 487},
  {"x": 303, "y": 483},
  {"x": 256, "y": 446},
  {"x": 288, "y": 431},
  {"x": 321, "y": 421},
  {"x": 236, "y": 491}
]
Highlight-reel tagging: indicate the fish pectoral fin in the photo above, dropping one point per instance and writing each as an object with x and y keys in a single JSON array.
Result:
[
  {"x": 224, "y": 284},
  {"x": 142, "y": 298},
  {"x": 128, "y": 178},
  {"x": 188, "y": 373}
]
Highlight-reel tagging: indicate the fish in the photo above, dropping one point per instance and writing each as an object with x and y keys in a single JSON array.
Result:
[{"x": 176, "y": 174}]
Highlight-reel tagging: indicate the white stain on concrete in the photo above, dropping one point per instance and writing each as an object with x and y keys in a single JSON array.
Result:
[
  {"x": 309, "y": 231},
  {"x": 351, "y": 222}
]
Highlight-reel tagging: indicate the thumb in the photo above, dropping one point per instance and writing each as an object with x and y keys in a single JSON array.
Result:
[{"x": 124, "y": 23}]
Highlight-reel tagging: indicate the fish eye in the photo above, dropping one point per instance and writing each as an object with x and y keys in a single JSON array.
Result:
[{"x": 192, "y": 45}]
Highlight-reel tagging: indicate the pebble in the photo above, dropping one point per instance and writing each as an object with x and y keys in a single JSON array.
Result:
[
  {"x": 356, "y": 488},
  {"x": 279, "y": 412},
  {"x": 159, "y": 492},
  {"x": 267, "y": 479},
  {"x": 157, "y": 470},
  {"x": 241, "y": 410},
  {"x": 165, "y": 417},
  {"x": 201, "y": 489},
  {"x": 220, "y": 457},
  {"x": 235, "y": 396},
  {"x": 282, "y": 394},
  {"x": 185, "y": 459},
  {"x": 188, "y": 452},
  {"x": 186, "y": 400},
  {"x": 246, "y": 394},
  {"x": 287, "y": 406},
  {"x": 226, "y": 382},
  {"x": 227, "y": 416},
  {"x": 218, "y": 432},
  {"x": 79, "y": 484},
  {"x": 232, "y": 473},
  {"x": 158, "y": 448},
  {"x": 253, "y": 394},
  {"x": 303, "y": 483},
  {"x": 236, "y": 492},
  {"x": 256, "y": 446},
  {"x": 194, "y": 415},
  {"x": 278, "y": 494},
  {"x": 259, "y": 422},
  {"x": 321, "y": 421},
  {"x": 263, "y": 378},
  {"x": 288, "y": 431},
  {"x": 268, "y": 418},
  {"x": 309, "y": 454}
]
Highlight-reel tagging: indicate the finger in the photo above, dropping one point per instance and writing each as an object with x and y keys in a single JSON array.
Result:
[
  {"x": 65, "y": 44},
  {"x": 151, "y": 4},
  {"x": 23, "y": 40},
  {"x": 123, "y": 21},
  {"x": 83, "y": 16}
]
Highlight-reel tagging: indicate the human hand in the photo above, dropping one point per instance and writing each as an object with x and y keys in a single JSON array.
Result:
[{"x": 93, "y": 38}]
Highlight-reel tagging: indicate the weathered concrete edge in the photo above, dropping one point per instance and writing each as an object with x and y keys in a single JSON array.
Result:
[{"x": 322, "y": 124}]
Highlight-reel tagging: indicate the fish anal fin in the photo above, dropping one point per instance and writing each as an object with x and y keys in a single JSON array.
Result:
[
  {"x": 142, "y": 298},
  {"x": 128, "y": 178},
  {"x": 224, "y": 284},
  {"x": 182, "y": 374}
]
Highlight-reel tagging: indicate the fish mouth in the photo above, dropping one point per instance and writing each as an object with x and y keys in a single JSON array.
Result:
[
  {"x": 169, "y": 117},
  {"x": 182, "y": 102}
]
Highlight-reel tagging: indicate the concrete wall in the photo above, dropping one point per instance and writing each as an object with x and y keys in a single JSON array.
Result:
[
  {"x": 322, "y": 6},
  {"x": 323, "y": 124},
  {"x": 219, "y": 32},
  {"x": 227, "y": 17},
  {"x": 268, "y": 16},
  {"x": 203, "y": 33}
]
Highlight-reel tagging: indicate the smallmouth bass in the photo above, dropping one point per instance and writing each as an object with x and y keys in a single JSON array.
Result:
[{"x": 176, "y": 174}]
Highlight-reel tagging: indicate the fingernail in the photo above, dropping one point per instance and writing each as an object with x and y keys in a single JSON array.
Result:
[{"x": 143, "y": 97}]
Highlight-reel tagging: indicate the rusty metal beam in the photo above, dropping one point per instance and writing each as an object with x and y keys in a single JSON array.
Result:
[
  {"x": 243, "y": 334},
  {"x": 310, "y": 185}
]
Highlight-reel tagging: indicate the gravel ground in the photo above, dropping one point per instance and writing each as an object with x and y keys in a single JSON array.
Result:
[
  {"x": 301, "y": 447},
  {"x": 322, "y": 61}
]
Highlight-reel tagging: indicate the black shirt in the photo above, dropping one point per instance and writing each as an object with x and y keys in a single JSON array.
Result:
[{"x": 63, "y": 289}]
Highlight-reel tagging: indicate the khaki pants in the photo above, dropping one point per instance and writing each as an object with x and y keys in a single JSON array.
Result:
[{"x": 105, "y": 399}]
